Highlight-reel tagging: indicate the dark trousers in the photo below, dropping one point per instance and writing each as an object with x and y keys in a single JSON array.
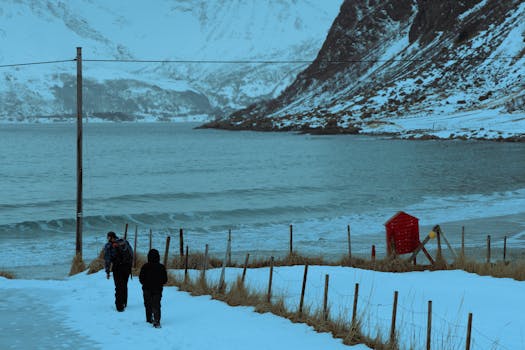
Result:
[
  {"x": 152, "y": 304},
  {"x": 120, "y": 277}
]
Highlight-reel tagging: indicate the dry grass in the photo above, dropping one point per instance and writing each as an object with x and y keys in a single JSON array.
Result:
[
  {"x": 97, "y": 264},
  {"x": 515, "y": 270},
  {"x": 291, "y": 259},
  {"x": 7, "y": 275},
  {"x": 195, "y": 262},
  {"x": 77, "y": 265},
  {"x": 238, "y": 295},
  {"x": 500, "y": 269},
  {"x": 140, "y": 260}
]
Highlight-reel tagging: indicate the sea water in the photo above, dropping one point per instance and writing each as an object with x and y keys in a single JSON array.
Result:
[{"x": 167, "y": 176}]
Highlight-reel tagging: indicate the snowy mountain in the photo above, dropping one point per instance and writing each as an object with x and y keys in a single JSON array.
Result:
[
  {"x": 35, "y": 31},
  {"x": 413, "y": 68}
]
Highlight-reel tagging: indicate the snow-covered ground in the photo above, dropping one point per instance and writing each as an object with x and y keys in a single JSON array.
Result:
[
  {"x": 481, "y": 124},
  {"x": 79, "y": 312}
]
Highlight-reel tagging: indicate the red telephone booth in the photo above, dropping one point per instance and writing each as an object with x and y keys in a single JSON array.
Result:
[{"x": 402, "y": 233}]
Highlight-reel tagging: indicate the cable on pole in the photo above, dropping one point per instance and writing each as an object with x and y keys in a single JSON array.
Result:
[
  {"x": 199, "y": 61},
  {"x": 35, "y": 63}
]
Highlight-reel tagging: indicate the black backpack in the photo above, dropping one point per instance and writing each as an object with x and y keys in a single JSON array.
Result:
[{"x": 123, "y": 253}]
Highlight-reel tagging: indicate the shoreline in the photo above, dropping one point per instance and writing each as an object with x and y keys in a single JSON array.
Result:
[
  {"x": 476, "y": 231},
  {"x": 416, "y": 135},
  {"x": 406, "y": 134}
]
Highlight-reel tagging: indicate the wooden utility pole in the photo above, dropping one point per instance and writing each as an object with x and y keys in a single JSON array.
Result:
[{"x": 79, "y": 153}]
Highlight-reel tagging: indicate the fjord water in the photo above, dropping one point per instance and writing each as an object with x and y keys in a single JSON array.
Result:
[{"x": 169, "y": 176}]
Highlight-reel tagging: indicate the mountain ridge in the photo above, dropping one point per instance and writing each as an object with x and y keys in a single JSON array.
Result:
[
  {"x": 162, "y": 31},
  {"x": 385, "y": 67}
]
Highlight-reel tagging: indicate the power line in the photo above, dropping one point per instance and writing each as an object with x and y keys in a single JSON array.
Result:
[
  {"x": 500, "y": 58},
  {"x": 202, "y": 61},
  {"x": 34, "y": 63},
  {"x": 245, "y": 61}
]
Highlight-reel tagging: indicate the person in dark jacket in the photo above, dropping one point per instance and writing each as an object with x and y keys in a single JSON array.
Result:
[
  {"x": 118, "y": 258},
  {"x": 153, "y": 277}
]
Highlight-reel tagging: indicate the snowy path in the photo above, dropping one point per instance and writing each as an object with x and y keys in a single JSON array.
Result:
[
  {"x": 28, "y": 322},
  {"x": 85, "y": 304}
]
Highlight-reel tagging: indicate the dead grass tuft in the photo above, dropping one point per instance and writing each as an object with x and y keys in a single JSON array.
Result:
[
  {"x": 500, "y": 269},
  {"x": 140, "y": 260},
  {"x": 201, "y": 287},
  {"x": 172, "y": 280},
  {"x": 353, "y": 261},
  {"x": 239, "y": 295},
  {"x": 195, "y": 262},
  {"x": 77, "y": 265},
  {"x": 97, "y": 264},
  {"x": 297, "y": 259},
  {"x": 7, "y": 275}
]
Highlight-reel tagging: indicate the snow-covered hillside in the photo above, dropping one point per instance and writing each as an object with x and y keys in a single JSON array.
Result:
[
  {"x": 414, "y": 68},
  {"x": 158, "y": 30}
]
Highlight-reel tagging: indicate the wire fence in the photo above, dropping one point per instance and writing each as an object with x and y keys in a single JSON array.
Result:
[{"x": 376, "y": 311}]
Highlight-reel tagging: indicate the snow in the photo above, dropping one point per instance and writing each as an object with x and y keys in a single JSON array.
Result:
[
  {"x": 489, "y": 124},
  {"x": 82, "y": 308},
  {"x": 513, "y": 43},
  {"x": 160, "y": 29},
  {"x": 476, "y": 8},
  {"x": 79, "y": 311}
]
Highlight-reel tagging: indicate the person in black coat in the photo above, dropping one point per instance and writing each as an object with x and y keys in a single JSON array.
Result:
[
  {"x": 153, "y": 276},
  {"x": 118, "y": 258}
]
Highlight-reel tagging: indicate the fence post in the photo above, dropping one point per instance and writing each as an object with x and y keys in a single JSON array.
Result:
[
  {"x": 354, "y": 308},
  {"x": 269, "y": 296},
  {"x": 488, "y": 249},
  {"x": 181, "y": 242},
  {"x": 469, "y": 331},
  {"x": 135, "y": 247},
  {"x": 291, "y": 239},
  {"x": 393, "y": 326},
  {"x": 504, "y": 249},
  {"x": 167, "y": 251},
  {"x": 439, "y": 255},
  {"x": 223, "y": 270},
  {"x": 245, "y": 266},
  {"x": 186, "y": 265},
  {"x": 229, "y": 247},
  {"x": 349, "y": 244},
  {"x": 126, "y": 231},
  {"x": 303, "y": 289},
  {"x": 325, "y": 300},
  {"x": 205, "y": 263},
  {"x": 373, "y": 253},
  {"x": 429, "y": 324},
  {"x": 463, "y": 242},
  {"x": 150, "y": 239}
]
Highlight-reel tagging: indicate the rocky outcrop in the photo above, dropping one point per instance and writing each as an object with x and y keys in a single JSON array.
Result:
[{"x": 397, "y": 58}]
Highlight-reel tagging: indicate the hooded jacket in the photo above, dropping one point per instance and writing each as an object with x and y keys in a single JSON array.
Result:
[{"x": 153, "y": 274}]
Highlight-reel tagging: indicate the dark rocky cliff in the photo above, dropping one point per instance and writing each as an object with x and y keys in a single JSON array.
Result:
[{"x": 399, "y": 57}]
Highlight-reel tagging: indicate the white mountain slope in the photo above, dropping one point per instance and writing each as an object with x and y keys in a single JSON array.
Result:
[{"x": 159, "y": 30}]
